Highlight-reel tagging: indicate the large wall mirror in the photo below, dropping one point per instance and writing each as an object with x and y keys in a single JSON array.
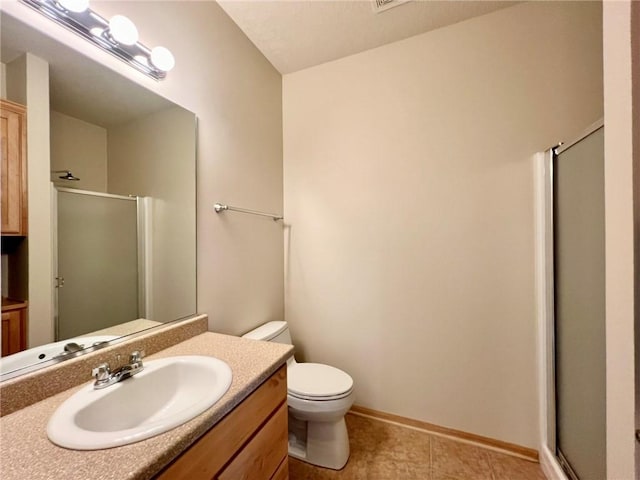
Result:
[{"x": 121, "y": 192}]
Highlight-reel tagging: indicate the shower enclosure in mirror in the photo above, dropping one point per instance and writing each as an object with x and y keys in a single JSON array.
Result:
[
  {"x": 99, "y": 261},
  {"x": 98, "y": 138}
]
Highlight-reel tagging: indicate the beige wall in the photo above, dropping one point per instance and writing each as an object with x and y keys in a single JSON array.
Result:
[
  {"x": 236, "y": 94},
  {"x": 154, "y": 157},
  {"x": 3, "y": 80},
  {"x": 81, "y": 147},
  {"x": 409, "y": 191},
  {"x": 635, "y": 82},
  {"x": 620, "y": 166},
  {"x": 5, "y": 258},
  {"x": 28, "y": 84}
]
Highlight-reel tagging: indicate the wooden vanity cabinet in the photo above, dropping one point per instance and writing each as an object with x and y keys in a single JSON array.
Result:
[
  {"x": 14, "y": 326},
  {"x": 250, "y": 442},
  {"x": 13, "y": 130}
]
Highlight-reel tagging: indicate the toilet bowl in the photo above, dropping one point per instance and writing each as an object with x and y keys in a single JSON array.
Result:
[{"x": 318, "y": 397}]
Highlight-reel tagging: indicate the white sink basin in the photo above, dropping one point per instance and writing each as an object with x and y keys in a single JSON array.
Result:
[{"x": 167, "y": 393}]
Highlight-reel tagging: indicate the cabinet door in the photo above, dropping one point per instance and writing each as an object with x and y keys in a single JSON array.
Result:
[
  {"x": 262, "y": 456},
  {"x": 283, "y": 470},
  {"x": 235, "y": 437},
  {"x": 12, "y": 149},
  {"x": 13, "y": 331}
]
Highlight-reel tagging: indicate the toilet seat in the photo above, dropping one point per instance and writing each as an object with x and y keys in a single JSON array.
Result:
[
  {"x": 315, "y": 381},
  {"x": 319, "y": 399}
]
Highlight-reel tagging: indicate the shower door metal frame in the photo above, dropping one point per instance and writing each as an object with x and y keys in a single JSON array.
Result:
[
  {"x": 549, "y": 339},
  {"x": 141, "y": 254},
  {"x": 589, "y": 130},
  {"x": 548, "y": 333}
]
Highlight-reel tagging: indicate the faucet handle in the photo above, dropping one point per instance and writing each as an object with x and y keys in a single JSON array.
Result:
[
  {"x": 102, "y": 372},
  {"x": 136, "y": 356}
]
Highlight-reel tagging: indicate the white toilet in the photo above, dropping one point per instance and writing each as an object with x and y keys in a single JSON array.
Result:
[{"x": 318, "y": 398}]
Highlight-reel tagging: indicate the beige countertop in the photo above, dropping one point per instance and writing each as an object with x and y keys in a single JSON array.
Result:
[
  {"x": 27, "y": 453},
  {"x": 126, "y": 328}
]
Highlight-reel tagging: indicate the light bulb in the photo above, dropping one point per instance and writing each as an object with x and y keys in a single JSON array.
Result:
[
  {"x": 162, "y": 59},
  {"x": 76, "y": 6},
  {"x": 123, "y": 30}
]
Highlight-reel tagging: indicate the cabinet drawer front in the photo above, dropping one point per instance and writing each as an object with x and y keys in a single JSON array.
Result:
[
  {"x": 283, "y": 470},
  {"x": 206, "y": 457},
  {"x": 260, "y": 458}
]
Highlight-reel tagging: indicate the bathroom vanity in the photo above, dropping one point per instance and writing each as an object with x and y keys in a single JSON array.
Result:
[
  {"x": 249, "y": 443},
  {"x": 243, "y": 435}
]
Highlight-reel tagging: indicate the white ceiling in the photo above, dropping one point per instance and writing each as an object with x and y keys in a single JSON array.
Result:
[
  {"x": 292, "y": 34},
  {"x": 295, "y": 35}
]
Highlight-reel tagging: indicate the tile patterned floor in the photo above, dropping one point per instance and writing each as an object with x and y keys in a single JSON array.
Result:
[{"x": 382, "y": 451}]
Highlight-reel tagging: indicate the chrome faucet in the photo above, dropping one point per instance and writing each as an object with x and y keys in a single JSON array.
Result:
[
  {"x": 73, "y": 347},
  {"x": 105, "y": 377}
]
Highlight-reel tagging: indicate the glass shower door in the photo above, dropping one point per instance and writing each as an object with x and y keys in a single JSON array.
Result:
[
  {"x": 579, "y": 269},
  {"x": 97, "y": 236}
]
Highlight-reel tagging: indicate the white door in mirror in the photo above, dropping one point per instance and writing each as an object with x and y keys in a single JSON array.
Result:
[{"x": 166, "y": 394}]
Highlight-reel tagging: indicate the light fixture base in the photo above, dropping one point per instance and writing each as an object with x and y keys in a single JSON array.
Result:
[{"x": 95, "y": 29}]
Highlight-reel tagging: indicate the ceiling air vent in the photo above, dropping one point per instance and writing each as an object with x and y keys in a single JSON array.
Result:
[{"x": 382, "y": 5}]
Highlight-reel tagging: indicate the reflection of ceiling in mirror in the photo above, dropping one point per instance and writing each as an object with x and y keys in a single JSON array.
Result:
[
  {"x": 79, "y": 88},
  {"x": 142, "y": 161}
]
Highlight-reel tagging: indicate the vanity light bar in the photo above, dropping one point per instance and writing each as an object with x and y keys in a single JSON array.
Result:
[{"x": 117, "y": 36}]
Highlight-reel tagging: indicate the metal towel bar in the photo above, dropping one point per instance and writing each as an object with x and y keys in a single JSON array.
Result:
[{"x": 218, "y": 207}]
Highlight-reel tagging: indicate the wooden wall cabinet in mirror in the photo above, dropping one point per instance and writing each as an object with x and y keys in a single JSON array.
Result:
[
  {"x": 14, "y": 326},
  {"x": 14, "y": 168}
]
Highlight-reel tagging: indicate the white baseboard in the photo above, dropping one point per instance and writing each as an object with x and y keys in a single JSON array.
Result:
[{"x": 550, "y": 466}]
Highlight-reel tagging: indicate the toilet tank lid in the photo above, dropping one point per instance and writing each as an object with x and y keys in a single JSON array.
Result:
[{"x": 267, "y": 331}]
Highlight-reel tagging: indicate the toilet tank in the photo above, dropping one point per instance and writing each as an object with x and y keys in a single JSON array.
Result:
[{"x": 271, "y": 332}]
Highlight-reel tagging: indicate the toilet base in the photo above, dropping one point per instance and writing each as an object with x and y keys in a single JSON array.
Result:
[{"x": 326, "y": 444}]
